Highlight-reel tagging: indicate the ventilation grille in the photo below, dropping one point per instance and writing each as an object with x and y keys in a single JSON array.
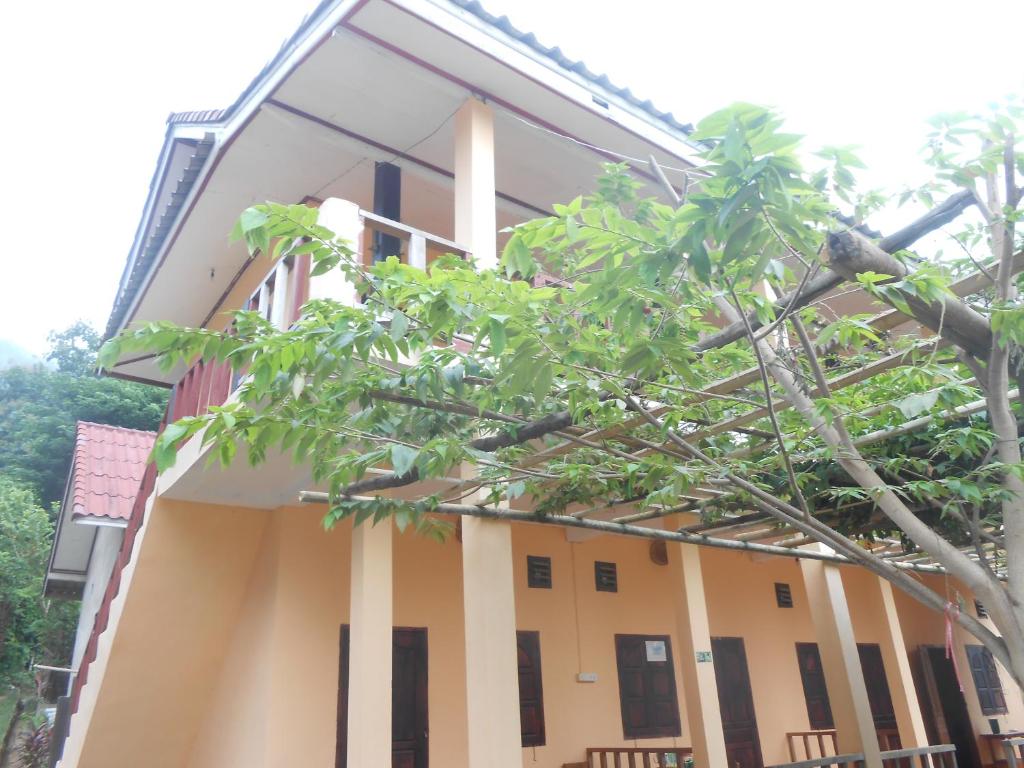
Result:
[
  {"x": 783, "y": 595},
  {"x": 979, "y": 609},
  {"x": 538, "y": 572},
  {"x": 606, "y": 577}
]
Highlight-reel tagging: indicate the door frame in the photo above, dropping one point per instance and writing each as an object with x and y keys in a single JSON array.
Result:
[
  {"x": 341, "y": 735},
  {"x": 758, "y": 751}
]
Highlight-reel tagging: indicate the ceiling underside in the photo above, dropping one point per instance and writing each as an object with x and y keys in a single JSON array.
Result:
[{"x": 365, "y": 95}]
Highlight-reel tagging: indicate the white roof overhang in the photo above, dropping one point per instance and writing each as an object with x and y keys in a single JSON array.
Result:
[{"x": 370, "y": 80}]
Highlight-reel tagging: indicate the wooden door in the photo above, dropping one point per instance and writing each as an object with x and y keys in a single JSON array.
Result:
[
  {"x": 952, "y": 724},
  {"x": 819, "y": 709},
  {"x": 736, "y": 703},
  {"x": 879, "y": 697},
  {"x": 409, "y": 714},
  {"x": 409, "y": 699},
  {"x": 647, "y": 686}
]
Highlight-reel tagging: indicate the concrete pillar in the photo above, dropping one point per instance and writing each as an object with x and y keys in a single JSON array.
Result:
[
  {"x": 342, "y": 218},
  {"x": 901, "y": 681},
  {"x": 492, "y": 673},
  {"x": 475, "y": 223},
  {"x": 840, "y": 660},
  {"x": 370, "y": 632},
  {"x": 700, "y": 690}
]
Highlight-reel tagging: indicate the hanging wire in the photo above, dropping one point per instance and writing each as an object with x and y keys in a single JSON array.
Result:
[
  {"x": 405, "y": 151},
  {"x": 688, "y": 172}
]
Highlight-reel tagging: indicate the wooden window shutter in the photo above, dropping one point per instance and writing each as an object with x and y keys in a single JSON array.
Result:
[
  {"x": 986, "y": 680},
  {"x": 819, "y": 709},
  {"x": 538, "y": 572},
  {"x": 531, "y": 690}
]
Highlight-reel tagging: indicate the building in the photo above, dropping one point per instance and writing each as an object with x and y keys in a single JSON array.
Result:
[{"x": 238, "y": 633}]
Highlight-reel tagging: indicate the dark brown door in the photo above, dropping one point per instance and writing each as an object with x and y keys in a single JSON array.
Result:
[
  {"x": 531, "y": 689},
  {"x": 736, "y": 702},
  {"x": 409, "y": 699},
  {"x": 819, "y": 710},
  {"x": 647, "y": 686},
  {"x": 879, "y": 697},
  {"x": 952, "y": 724},
  {"x": 409, "y": 713}
]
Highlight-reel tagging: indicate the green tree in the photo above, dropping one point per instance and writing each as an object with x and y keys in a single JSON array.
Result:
[
  {"x": 74, "y": 349},
  {"x": 659, "y": 373},
  {"x": 39, "y": 409},
  {"x": 29, "y": 628}
]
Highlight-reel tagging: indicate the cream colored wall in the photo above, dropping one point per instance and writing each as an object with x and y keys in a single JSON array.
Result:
[
  {"x": 167, "y": 637},
  {"x": 741, "y": 603},
  {"x": 230, "y": 632},
  {"x": 578, "y": 715}
]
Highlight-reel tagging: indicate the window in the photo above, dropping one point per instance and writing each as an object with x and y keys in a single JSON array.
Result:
[
  {"x": 538, "y": 572},
  {"x": 819, "y": 710},
  {"x": 986, "y": 680},
  {"x": 531, "y": 692},
  {"x": 606, "y": 577},
  {"x": 783, "y": 595},
  {"x": 647, "y": 686}
]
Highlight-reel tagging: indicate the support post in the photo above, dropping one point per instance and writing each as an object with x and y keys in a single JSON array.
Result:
[
  {"x": 700, "y": 689},
  {"x": 488, "y": 589},
  {"x": 475, "y": 222},
  {"x": 840, "y": 660},
  {"x": 492, "y": 674},
  {"x": 370, "y": 645},
  {"x": 342, "y": 218},
  {"x": 901, "y": 682}
]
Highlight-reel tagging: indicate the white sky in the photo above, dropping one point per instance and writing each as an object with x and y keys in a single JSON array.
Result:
[{"x": 87, "y": 88}]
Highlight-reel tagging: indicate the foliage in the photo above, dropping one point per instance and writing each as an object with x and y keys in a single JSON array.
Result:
[
  {"x": 604, "y": 386},
  {"x": 74, "y": 349},
  {"x": 34, "y": 747},
  {"x": 39, "y": 409},
  {"x": 29, "y": 629}
]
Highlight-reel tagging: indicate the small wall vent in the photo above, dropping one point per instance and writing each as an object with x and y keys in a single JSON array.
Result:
[
  {"x": 538, "y": 572},
  {"x": 606, "y": 577},
  {"x": 783, "y": 595},
  {"x": 979, "y": 609}
]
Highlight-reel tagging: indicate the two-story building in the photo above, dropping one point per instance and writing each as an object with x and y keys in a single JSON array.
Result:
[{"x": 237, "y": 632}]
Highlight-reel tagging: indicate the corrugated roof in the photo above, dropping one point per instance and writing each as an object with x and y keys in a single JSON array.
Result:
[
  {"x": 197, "y": 116},
  {"x": 137, "y": 268},
  {"x": 573, "y": 65},
  {"x": 107, "y": 469}
]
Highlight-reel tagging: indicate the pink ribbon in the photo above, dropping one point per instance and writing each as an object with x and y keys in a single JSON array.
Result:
[{"x": 952, "y": 612}]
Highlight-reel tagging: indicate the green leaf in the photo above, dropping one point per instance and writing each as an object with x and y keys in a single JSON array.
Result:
[{"x": 402, "y": 458}]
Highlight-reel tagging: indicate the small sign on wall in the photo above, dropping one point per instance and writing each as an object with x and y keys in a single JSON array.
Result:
[
  {"x": 656, "y": 650},
  {"x": 703, "y": 657}
]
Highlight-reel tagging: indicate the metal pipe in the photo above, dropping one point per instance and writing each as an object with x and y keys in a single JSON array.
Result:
[{"x": 603, "y": 526}]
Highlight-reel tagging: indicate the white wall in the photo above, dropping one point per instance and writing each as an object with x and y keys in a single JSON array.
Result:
[{"x": 104, "y": 553}]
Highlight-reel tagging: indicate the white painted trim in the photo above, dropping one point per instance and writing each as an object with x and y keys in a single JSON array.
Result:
[{"x": 98, "y": 521}]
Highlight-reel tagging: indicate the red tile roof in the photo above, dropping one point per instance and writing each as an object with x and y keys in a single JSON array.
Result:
[{"x": 107, "y": 469}]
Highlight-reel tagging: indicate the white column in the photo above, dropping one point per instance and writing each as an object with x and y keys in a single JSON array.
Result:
[
  {"x": 840, "y": 661},
  {"x": 492, "y": 672},
  {"x": 901, "y": 681},
  {"x": 475, "y": 224},
  {"x": 370, "y": 633},
  {"x": 700, "y": 689},
  {"x": 342, "y": 218}
]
